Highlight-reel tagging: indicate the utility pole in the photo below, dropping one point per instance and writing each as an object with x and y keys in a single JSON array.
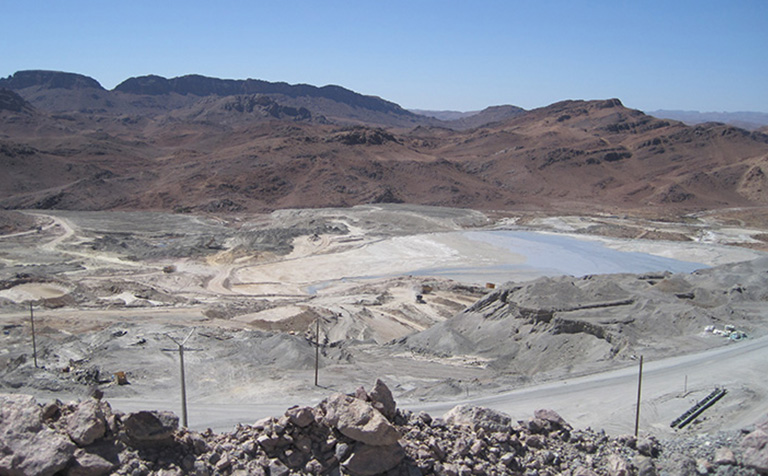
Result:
[
  {"x": 317, "y": 349},
  {"x": 34, "y": 343},
  {"x": 181, "y": 349},
  {"x": 639, "y": 386}
]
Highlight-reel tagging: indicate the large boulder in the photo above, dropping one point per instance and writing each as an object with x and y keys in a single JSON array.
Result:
[
  {"x": 645, "y": 466},
  {"x": 383, "y": 400},
  {"x": 618, "y": 466},
  {"x": 89, "y": 464},
  {"x": 553, "y": 418},
  {"x": 479, "y": 417},
  {"x": 724, "y": 456},
  {"x": 754, "y": 448},
  {"x": 300, "y": 416},
  {"x": 87, "y": 423},
  {"x": 26, "y": 445},
  {"x": 44, "y": 453},
  {"x": 359, "y": 421},
  {"x": 367, "y": 460},
  {"x": 150, "y": 427},
  {"x": 19, "y": 413}
]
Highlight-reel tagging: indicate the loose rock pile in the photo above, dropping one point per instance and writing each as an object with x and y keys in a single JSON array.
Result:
[{"x": 362, "y": 434}]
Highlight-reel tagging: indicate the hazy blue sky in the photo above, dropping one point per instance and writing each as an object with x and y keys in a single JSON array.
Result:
[{"x": 460, "y": 55}]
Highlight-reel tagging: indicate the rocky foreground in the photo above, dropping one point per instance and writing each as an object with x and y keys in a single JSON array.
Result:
[{"x": 361, "y": 434}]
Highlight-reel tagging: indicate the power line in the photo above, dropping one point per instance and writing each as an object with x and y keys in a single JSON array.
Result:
[{"x": 181, "y": 350}]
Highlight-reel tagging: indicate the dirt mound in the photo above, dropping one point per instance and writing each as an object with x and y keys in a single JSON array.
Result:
[{"x": 573, "y": 323}]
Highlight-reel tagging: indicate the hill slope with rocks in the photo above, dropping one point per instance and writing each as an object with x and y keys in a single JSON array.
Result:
[
  {"x": 188, "y": 144},
  {"x": 361, "y": 434},
  {"x": 152, "y": 95}
]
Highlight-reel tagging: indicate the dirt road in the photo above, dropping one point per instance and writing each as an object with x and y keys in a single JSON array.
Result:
[
  {"x": 608, "y": 399},
  {"x": 603, "y": 400}
]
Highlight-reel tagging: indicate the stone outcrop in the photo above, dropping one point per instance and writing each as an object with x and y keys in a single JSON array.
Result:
[
  {"x": 150, "y": 428},
  {"x": 755, "y": 447},
  {"x": 359, "y": 421},
  {"x": 10, "y": 101},
  {"x": 87, "y": 423},
  {"x": 477, "y": 418},
  {"x": 361, "y": 434},
  {"x": 27, "y": 446}
]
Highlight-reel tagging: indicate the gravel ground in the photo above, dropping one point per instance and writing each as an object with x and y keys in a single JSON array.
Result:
[{"x": 127, "y": 280}]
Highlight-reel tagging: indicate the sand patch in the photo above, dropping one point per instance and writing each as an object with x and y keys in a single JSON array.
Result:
[{"x": 33, "y": 292}]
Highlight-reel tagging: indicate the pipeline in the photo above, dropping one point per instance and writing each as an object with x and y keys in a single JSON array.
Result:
[{"x": 698, "y": 409}]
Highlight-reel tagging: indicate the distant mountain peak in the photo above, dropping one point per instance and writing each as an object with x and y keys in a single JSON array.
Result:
[
  {"x": 749, "y": 120},
  {"x": 584, "y": 104},
  {"x": 202, "y": 86},
  {"x": 49, "y": 80},
  {"x": 469, "y": 120},
  {"x": 152, "y": 94}
]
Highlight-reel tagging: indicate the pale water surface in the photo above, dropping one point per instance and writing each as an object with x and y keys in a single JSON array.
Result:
[{"x": 553, "y": 255}]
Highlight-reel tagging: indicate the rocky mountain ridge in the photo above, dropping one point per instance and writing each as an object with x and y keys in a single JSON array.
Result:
[
  {"x": 745, "y": 119},
  {"x": 91, "y": 149},
  {"x": 205, "y": 86},
  {"x": 49, "y": 80},
  {"x": 71, "y": 92}
]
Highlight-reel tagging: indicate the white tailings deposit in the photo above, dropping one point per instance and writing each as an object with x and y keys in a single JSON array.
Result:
[
  {"x": 33, "y": 291},
  {"x": 478, "y": 257},
  {"x": 543, "y": 254}
]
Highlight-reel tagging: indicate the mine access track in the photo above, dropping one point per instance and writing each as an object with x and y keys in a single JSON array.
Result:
[{"x": 698, "y": 409}]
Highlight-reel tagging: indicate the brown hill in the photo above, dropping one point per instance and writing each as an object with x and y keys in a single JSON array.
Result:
[
  {"x": 175, "y": 150},
  {"x": 579, "y": 151}
]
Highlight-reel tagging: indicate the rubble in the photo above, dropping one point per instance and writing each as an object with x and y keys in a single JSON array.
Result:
[
  {"x": 360, "y": 434},
  {"x": 728, "y": 331}
]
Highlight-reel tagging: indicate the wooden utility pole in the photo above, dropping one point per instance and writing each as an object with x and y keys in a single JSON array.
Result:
[
  {"x": 183, "y": 388},
  {"x": 639, "y": 387},
  {"x": 34, "y": 343},
  {"x": 180, "y": 345},
  {"x": 317, "y": 349}
]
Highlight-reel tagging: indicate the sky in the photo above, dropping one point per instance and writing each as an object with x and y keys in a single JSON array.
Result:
[{"x": 422, "y": 54}]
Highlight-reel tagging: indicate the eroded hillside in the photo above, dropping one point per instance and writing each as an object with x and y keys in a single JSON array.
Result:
[{"x": 202, "y": 144}]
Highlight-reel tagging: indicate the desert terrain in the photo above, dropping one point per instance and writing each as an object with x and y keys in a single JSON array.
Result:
[
  {"x": 207, "y": 145},
  {"x": 445, "y": 305},
  {"x": 508, "y": 258}
]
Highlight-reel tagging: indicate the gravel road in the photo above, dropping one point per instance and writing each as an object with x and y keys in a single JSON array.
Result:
[{"x": 604, "y": 400}]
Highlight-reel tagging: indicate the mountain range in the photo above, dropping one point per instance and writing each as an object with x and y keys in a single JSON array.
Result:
[
  {"x": 195, "y": 143},
  {"x": 745, "y": 119}
]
